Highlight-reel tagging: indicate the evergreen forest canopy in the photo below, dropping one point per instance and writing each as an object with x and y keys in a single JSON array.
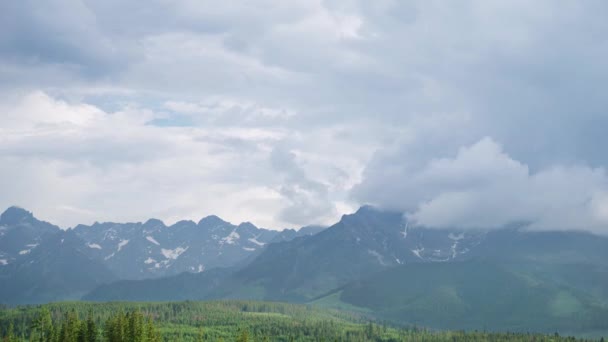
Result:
[{"x": 217, "y": 321}]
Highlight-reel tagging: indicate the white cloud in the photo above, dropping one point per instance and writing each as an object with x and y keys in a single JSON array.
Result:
[
  {"x": 174, "y": 109},
  {"x": 482, "y": 187},
  {"x": 73, "y": 163}
]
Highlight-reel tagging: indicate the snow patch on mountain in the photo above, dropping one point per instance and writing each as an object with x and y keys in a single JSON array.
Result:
[
  {"x": 404, "y": 232},
  {"x": 200, "y": 268},
  {"x": 417, "y": 252},
  {"x": 453, "y": 248},
  {"x": 109, "y": 234},
  {"x": 455, "y": 237},
  {"x": 378, "y": 256},
  {"x": 93, "y": 246},
  {"x": 254, "y": 240},
  {"x": 173, "y": 253},
  {"x": 230, "y": 239},
  {"x": 151, "y": 239},
  {"x": 29, "y": 249},
  {"x": 121, "y": 244}
]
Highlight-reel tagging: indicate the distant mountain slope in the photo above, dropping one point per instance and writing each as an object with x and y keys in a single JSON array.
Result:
[
  {"x": 185, "y": 286},
  {"x": 372, "y": 240},
  {"x": 479, "y": 295},
  {"x": 20, "y": 233},
  {"x": 40, "y": 262},
  {"x": 304, "y": 268},
  {"x": 506, "y": 279},
  {"x": 152, "y": 249},
  {"x": 360, "y": 244},
  {"x": 551, "y": 247},
  {"x": 56, "y": 269}
]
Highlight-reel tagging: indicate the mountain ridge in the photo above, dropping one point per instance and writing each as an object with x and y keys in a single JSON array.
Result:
[{"x": 122, "y": 251}]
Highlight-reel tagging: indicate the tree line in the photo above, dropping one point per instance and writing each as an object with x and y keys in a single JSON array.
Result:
[
  {"x": 132, "y": 326},
  {"x": 242, "y": 321}
]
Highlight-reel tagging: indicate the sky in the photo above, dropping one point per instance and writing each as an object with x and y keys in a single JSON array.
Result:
[{"x": 468, "y": 114}]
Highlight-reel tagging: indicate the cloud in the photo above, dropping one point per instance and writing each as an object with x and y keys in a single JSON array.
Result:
[
  {"x": 299, "y": 102},
  {"x": 79, "y": 156},
  {"x": 73, "y": 163},
  {"x": 60, "y": 32},
  {"x": 482, "y": 187},
  {"x": 308, "y": 199}
]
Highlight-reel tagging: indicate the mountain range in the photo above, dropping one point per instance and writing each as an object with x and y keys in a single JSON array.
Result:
[
  {"x": 372, "y": 261},
  {"x": 35, "y": 254}
]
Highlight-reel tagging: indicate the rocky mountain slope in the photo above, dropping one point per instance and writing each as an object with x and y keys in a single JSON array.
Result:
[{"x": 40, "y": 262}]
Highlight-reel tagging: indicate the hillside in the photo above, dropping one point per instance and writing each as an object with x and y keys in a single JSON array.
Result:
[
  {"x": 476, "y": 295},
  {"x": 42, "y": 263},
  {"x": 39, "y": 262},
  {"x": 373, "y": 262},
  {"x": 186, "y": 286}
]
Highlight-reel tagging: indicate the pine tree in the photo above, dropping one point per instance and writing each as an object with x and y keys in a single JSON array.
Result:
[
  {"x": 63, "y": 332},
  {"x": 91, "y": 329},
  {"x": 244, "y": 336},
  {"x": 82, "y": 332},
  {"x": 201, "y": 335},
  {"x": 10, "y": 334},
  {"x": 152, "y": 334},
  {"x": 115, "y": 328},
  {"x": 135, "y": 326},
  {"x": 42, "y": 326},
  {"x": 73, "y": 327}
]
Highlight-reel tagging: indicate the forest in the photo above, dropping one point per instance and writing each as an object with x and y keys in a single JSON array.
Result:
[{"x": 218, "y": 321}]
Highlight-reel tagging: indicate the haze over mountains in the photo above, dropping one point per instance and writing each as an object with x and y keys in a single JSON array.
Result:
[{"x": 371, "y": 261}]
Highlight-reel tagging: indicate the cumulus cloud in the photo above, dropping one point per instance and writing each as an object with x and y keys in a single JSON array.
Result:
[
  {"x": 74, "y": 163},
  {"x": 79, "y": 156},
  {"x": 482, "y": 187},
  {"x": 308, "y": 199}
]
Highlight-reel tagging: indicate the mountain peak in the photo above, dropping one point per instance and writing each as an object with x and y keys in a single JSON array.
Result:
[
  {"x": 365, "y": 209},
  {"x": 311, "y": 230},
  {"x": 154, "y": 223},
  {"x": 211, "y": 220},
  {"x": 15, "y": 215},
  {"x": 247, "y": 225},
  {"x": 379, "y": 217},
  {"x": 369, "y": 210}
]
